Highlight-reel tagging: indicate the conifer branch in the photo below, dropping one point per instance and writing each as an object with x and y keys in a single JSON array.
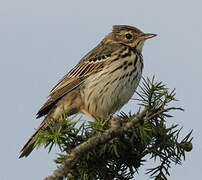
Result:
[
  {"x": 114, "y": 148},
  {"x": 76, "y": 153}
]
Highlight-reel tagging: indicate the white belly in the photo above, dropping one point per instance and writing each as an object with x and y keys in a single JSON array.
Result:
[{"x": 106, "y": 92}]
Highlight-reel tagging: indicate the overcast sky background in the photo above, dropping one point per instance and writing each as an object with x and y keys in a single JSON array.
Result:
[{"x": 41, "y": 40}]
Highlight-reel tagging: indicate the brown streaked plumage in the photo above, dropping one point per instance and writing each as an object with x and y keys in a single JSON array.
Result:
[{"x": 102, "y": 81}]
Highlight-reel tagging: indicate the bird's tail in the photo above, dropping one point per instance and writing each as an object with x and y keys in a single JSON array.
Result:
[{"x": 30, "y": 145}]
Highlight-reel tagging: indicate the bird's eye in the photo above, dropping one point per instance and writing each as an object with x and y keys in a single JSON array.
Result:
[{"x": 129, "y": 36}]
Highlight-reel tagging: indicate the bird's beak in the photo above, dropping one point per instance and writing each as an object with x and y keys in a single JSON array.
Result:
[{"x": 146, "y": 36}]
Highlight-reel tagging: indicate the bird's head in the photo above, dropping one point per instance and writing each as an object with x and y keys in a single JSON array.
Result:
[{"x": 130, "y": 36}]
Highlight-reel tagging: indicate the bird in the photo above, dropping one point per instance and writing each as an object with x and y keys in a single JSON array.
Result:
[{"x": 100, "y": 84}]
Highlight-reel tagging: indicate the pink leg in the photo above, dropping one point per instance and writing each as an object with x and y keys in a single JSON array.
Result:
[{"x": 87, "y": 113}]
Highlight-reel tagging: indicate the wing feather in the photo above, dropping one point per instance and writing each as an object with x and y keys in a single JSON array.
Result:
[{"x": 91, "y": 63}]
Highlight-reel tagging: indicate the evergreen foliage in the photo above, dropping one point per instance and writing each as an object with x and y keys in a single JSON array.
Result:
[{"x": 115, "y": 148}]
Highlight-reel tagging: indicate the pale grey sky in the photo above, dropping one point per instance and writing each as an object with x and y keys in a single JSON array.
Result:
[{"x": 41, "y": 40}]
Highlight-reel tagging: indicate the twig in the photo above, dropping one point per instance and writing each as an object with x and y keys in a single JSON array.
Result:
[
  {"x": 77, "y": 152},
  {"x": 164, "y": 110}
]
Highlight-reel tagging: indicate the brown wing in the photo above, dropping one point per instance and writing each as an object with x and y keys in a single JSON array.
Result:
[
  {"x": 88, "y": 63},
  {"x": 91, "y": 63}
]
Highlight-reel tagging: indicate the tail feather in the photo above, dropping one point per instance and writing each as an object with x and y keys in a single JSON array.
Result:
[
  {"x": 70, "y": 104},
  {"x": 29, "y": 146}
]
